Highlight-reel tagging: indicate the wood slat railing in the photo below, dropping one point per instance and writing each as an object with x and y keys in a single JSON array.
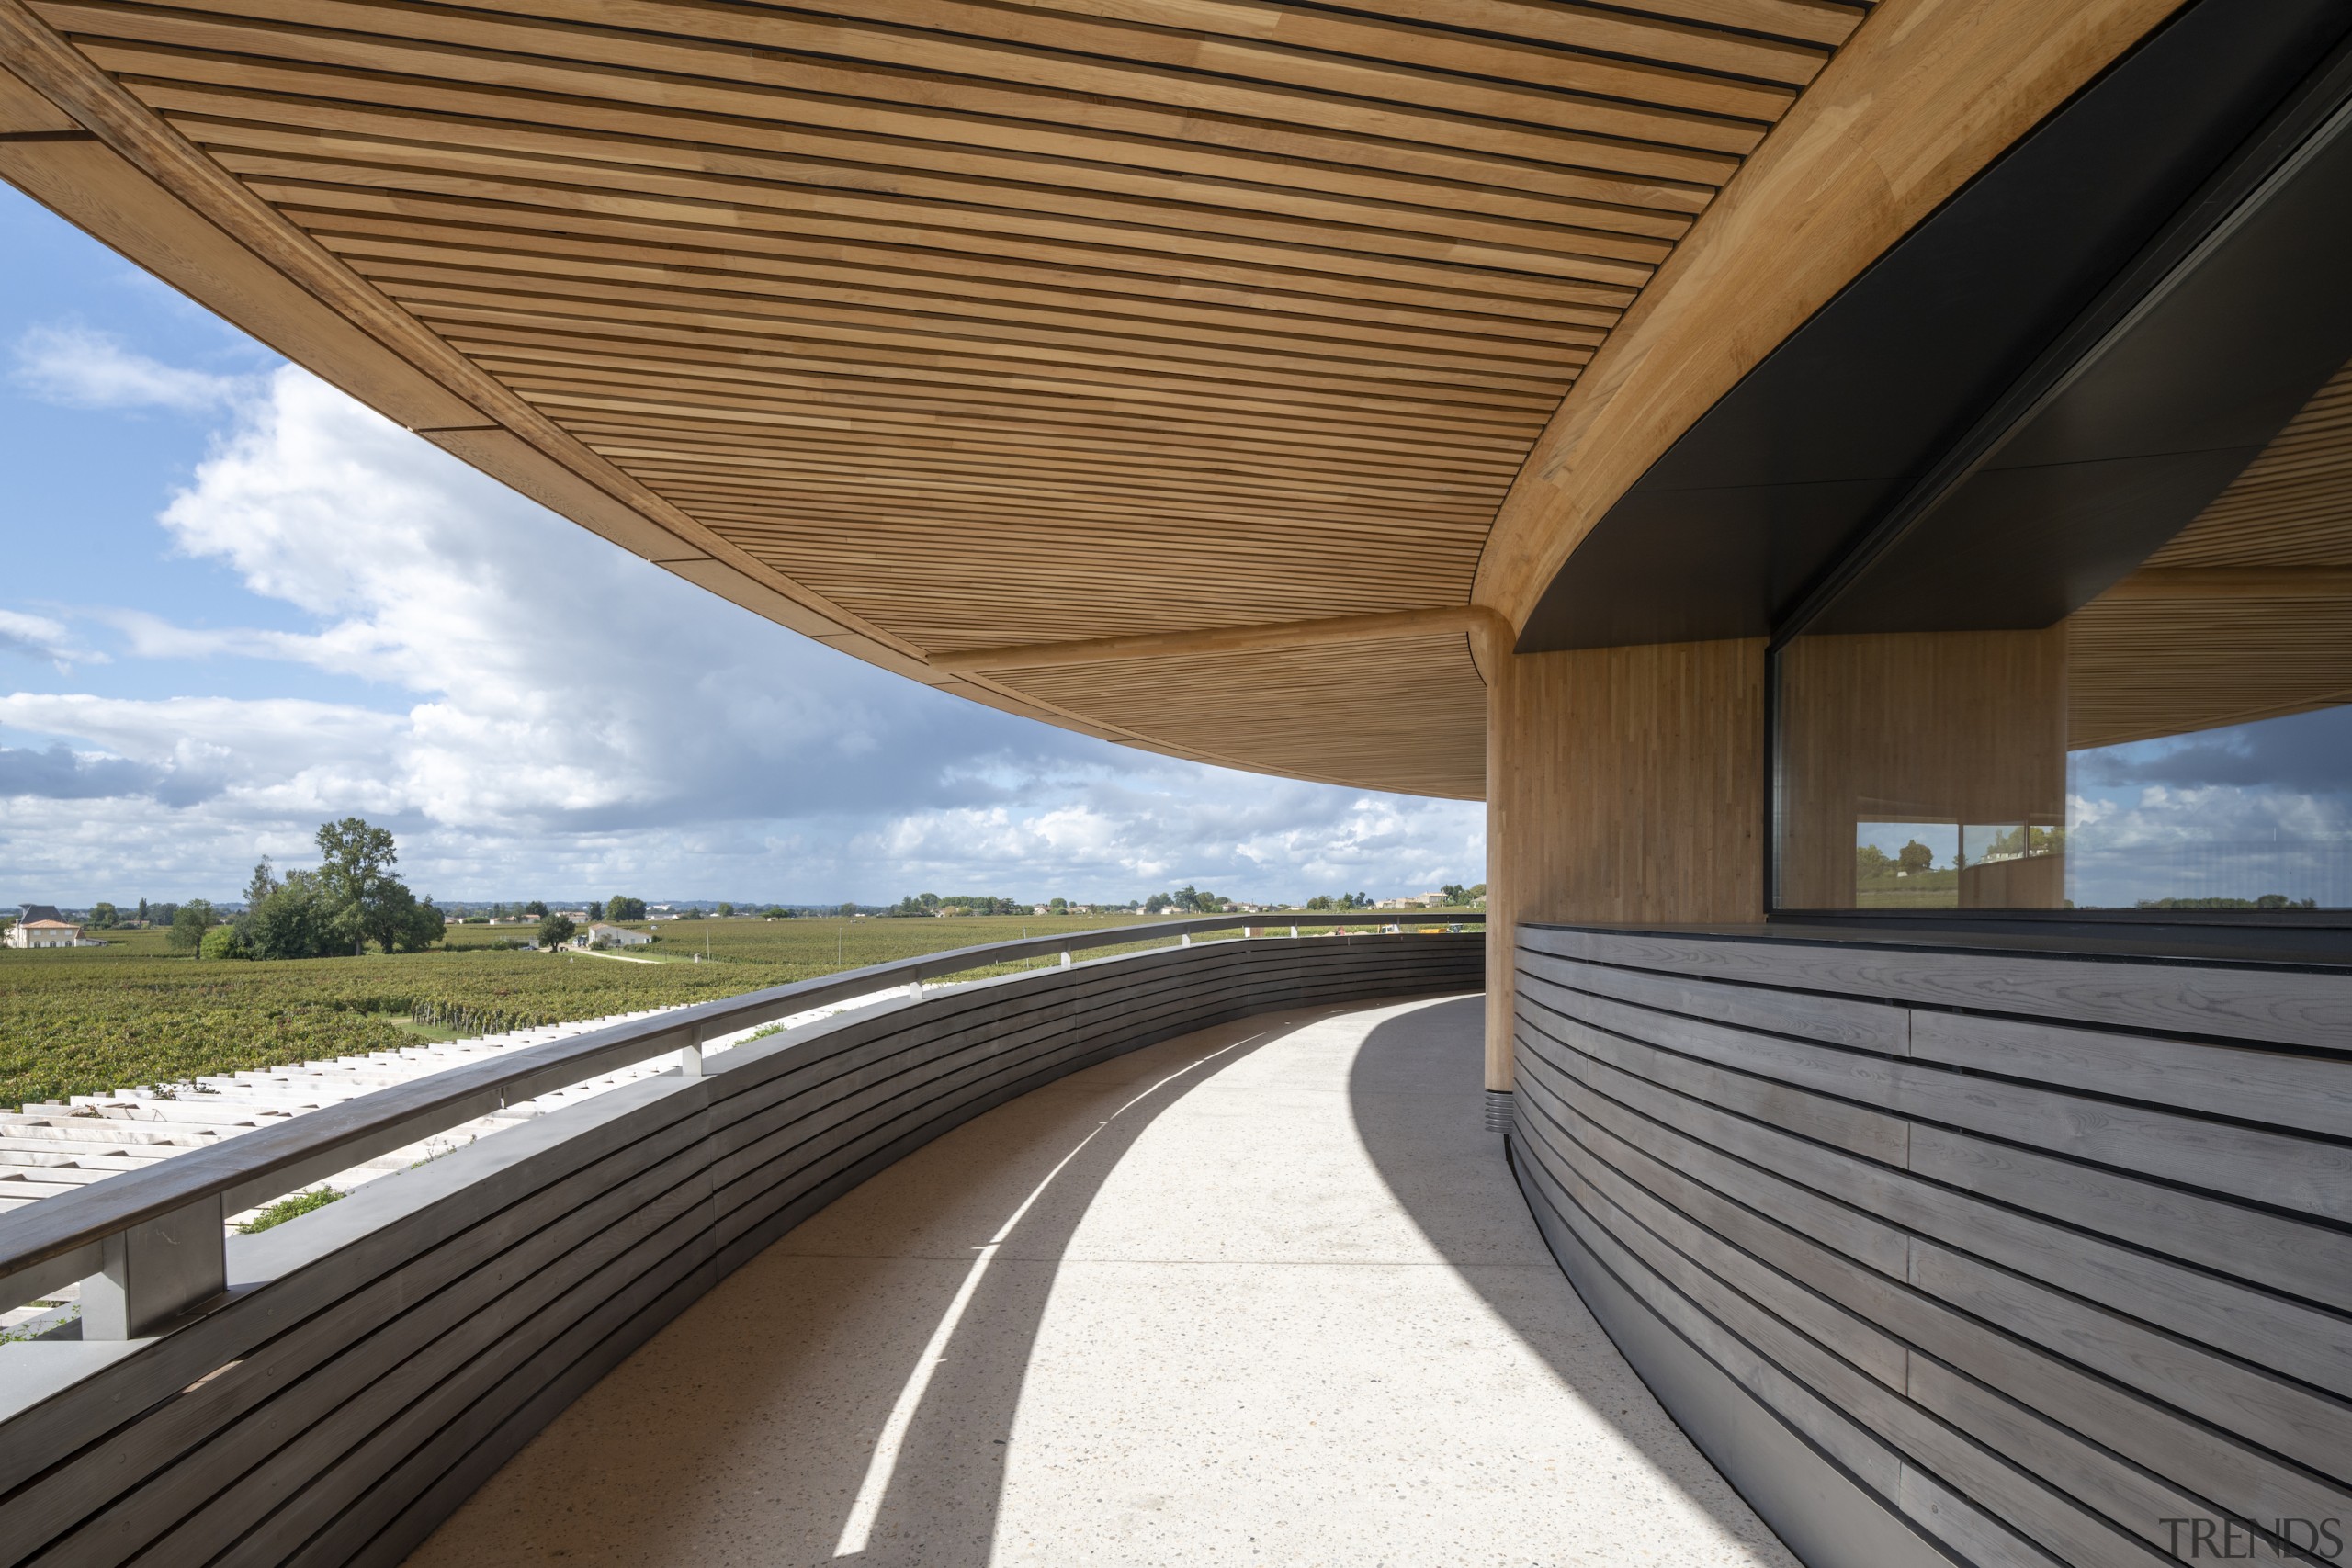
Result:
[{"x": 149, "y": 1242}]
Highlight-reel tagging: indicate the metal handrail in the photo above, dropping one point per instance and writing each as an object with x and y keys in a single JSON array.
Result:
[{"x": 46, "y": 1245}]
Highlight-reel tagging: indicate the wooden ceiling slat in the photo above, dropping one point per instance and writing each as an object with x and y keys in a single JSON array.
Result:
[
  {"x": 1822, "y": 23},
  {"x": 633, "y": 448},
  {"x": 931, "y": 225},
  {"x": 738, "y": 365},
  {"x": 1040, "y": 423},
  {"x": 234, "y": 46},
  {"x": 1393, "y": 556},
  {"x": 977, "y": 285},
  {"x": 1060, "y": 441},
  {"x": 1019, "y": 441},
  {"x": 790, "y": 56},
  {"x": 1507, "y": 51},
  {"x": 1038, "y": 426},
  {"x": 996, "y": 340},
  {"x": 851, "y": 289},
  {"x": 1282, "y": 215},
  {"x": 1250, "y": 467},
  {"x": 1267, "y": 42},
  {"x": 186, "y": 83},
  {"x": 761, "y": 233},
  {"x": 1039, "y": 483},
  {"x": 909, "y": 511},
  {"x": 1069, "y": 53},
  {"x": 954, "y": 472}
]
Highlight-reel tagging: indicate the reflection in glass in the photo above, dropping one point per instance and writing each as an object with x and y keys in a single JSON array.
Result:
[{"x": 2181, "y": 740}]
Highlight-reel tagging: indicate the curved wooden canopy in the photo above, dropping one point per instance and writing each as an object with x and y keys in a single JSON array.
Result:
[{"x": 1212, "y": 336}]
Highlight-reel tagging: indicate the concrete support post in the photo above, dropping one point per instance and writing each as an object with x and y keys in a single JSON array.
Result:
[
  {"x": 156, "y": 1270},
  {"x": 1064, "y": 957}
]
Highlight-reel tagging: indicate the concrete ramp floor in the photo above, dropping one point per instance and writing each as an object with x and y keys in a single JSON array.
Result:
[{"x": 1263, "y": 1294}]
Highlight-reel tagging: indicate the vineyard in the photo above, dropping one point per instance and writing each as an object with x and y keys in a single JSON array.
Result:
[{"x": 85, "y": 1021}]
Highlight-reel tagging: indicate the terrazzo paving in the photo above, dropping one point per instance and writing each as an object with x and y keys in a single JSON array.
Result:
[{"x": 1265, "y": 1294}]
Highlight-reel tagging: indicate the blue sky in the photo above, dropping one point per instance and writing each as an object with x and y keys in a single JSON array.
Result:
[{"x": 237, "y": 605}]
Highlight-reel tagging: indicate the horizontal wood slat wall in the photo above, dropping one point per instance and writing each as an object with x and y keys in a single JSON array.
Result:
[
  {"x": 377, "y": 1360},
  {"x": 976, "y": 324},
  {"x": 2018, "y": 1254}
]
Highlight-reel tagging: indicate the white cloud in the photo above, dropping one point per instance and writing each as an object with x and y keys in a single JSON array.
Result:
[
  {"x": 38, "y": 636},
  {"x": 86, "y": 370},
  {"x": 540, "y": 710}
]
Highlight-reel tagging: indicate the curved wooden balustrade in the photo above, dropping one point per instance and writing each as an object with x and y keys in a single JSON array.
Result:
[
  {"x": 369, "y": 1365},
  {"x": 53, "y": 1243}
]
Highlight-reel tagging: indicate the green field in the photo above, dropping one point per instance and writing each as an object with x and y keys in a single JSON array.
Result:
[{"x": 86, "y": 1021}]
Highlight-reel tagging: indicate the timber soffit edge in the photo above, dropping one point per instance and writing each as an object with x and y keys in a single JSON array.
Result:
[
  {"x": 1925, "y": 94},
  {"x": 1201, "y": 316}
]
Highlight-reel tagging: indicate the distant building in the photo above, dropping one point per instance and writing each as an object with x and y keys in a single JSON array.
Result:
[
  {"x": 40, "y": 925},
  {"x": 603, "y": 935}
]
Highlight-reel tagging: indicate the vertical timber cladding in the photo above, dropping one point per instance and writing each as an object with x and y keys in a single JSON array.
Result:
[
  {"x": 377, "y": 1360},
  {"x": 2016, "y": 1256},
  {"x": 1626, "y": 786}
]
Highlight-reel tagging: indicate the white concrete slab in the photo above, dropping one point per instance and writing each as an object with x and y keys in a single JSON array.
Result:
[{"x": 1263, "y": 1295}]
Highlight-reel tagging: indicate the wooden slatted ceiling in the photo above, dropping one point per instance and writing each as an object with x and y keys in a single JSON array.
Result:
[
  {"x": 1415, "y": 706},
  {"x": 2245, "y": 614},
  {"x": 998, "y": 321}
]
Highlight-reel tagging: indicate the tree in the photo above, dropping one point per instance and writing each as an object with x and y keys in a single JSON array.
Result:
[
  {"x": 619, "y": 907},
  {"x": 1156, "y": 903},
  {"x": 371, "y": 904},
  {"x": 1058, "y": 906},
  {"x": 1914, "y": 857},
  {"x": 725, "y": 911},
  {"x": 189, "y": 922},
  {"x": 1872, "y": 864},
  {"x": 142, "y": 911},
  {"x": 296, "y": 920},
  {"x": 223, "y": 941},
  {"x": 1320, "y": 901},
  {"x": 555, "y": 930},
  {"x": 537, "y": 907},
  {"x": 104, "y": 917},
  {"x": 1455, "y": 893},
  {"x": 262, "y": 883},
  {"x": 418, "y": 925}
]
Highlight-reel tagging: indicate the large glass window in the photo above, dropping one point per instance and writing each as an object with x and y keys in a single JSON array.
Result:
[
  {"x": 2183, "y": 740},
  {"x": 2110, "y": 667}
]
